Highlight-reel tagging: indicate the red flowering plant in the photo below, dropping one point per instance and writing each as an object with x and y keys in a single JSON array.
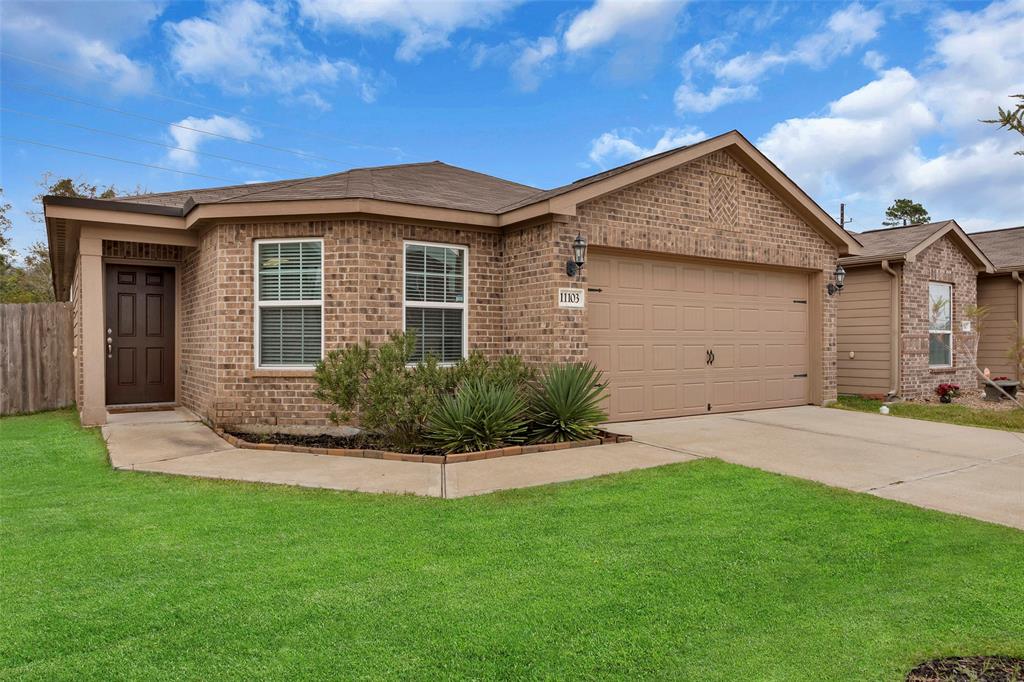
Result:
[{"x": 951, "y": 390}]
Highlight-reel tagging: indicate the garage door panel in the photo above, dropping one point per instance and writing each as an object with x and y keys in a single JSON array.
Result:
[
  {"x": 654, "y": 321},
  {"x": 629, "y": 316},
  {"x": 724, "y": 320},
  {"x": 664, "y": 357},
  {"x": 664, "y": 318}
]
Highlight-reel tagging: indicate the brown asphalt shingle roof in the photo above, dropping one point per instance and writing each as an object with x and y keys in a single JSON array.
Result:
[
  {"x": 895, "y": 241},
  {"x": 1005, "y": 248},
  {"x": 427, "y": 184}
]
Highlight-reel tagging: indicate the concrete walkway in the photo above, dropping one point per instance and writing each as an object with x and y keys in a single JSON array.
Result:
[
  {"x": 178, "y": 443},
  {"x": 963, "y": 470}
]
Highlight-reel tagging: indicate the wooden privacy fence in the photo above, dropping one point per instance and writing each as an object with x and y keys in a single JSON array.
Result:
[{"x": 37, "y": 369}]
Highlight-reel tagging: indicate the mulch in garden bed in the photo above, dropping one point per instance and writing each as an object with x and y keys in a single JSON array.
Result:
[
  {"x": 359, "y": 441},
  {"x": 969, "y": 669}
]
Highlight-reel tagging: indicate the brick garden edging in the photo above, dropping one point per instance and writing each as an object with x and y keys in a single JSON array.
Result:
[{"x": 606, "y": 438}]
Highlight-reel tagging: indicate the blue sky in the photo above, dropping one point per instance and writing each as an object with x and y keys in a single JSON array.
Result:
[{"x": 857, "y": 102}]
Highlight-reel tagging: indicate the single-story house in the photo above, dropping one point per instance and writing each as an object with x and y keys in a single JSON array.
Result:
[
  {"x": 704, "y": 287},
  {"x": 905, "y": 295},
  {"x": 1002, "y": 293}
]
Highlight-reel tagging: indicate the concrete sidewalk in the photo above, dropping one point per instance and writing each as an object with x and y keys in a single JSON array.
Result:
[
  {"x": 178, "y": 443},
  {"x": 968, "y": 471},
  {"x": 963, "y": 470}
]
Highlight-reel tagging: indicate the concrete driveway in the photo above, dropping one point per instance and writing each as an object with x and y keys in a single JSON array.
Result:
[{"x": 958, "y": 469}]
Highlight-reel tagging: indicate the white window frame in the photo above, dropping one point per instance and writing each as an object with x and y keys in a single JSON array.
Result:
[
  {"x": 464, "y": 306},
  {"x": 258, "y": 305},
  {"x": 948, "y": 332}
]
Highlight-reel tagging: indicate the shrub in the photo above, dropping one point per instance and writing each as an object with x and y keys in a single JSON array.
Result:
[
  {"x": 482, "y": 415},
  {"x": 392, "y": 400},
  {"x": 508, "y": 370},
  {"x": 952, "y": 390},
  {"x": 566, "y": 403}
]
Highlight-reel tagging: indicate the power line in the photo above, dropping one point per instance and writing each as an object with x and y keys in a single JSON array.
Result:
[
  {"x": 112, "y": 158},
  {"x": 122, "y": 112},
  {"x": 143, "y": 140},
  {"x": 307, "y": 133}
]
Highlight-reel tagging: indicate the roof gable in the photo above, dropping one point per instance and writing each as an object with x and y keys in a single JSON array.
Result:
[{"x": 907, "y": 242}]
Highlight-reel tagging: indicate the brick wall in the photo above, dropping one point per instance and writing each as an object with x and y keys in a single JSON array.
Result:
[
  {"x": 941, "y": 262},
  {"x": 362, "y": 300},
  {"x": 199, "y": 308}
]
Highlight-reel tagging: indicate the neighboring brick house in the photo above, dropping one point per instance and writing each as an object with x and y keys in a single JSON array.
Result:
[
  {"x": 704, "y": 285},
  {"x": 902, "y": 308}
]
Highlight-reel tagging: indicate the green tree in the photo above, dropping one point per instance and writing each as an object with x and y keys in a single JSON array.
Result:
[
  {"x": 1011, "y": 118},
  {"x": 905, "y": 212}
]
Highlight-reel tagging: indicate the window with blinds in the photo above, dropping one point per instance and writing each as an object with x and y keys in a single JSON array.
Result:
[
  {"x": 435, "y": 300},
  {"x": 289, "y": 302}
]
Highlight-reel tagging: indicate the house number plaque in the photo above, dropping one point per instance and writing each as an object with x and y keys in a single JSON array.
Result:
[{"x": 571, "y": 298}]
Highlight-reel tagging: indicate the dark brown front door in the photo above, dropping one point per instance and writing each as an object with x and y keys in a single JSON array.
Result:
[{"x": 140, "y": 334}]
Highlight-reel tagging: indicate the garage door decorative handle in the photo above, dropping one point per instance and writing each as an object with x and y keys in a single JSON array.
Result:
[{"x": 710, "y": 357}]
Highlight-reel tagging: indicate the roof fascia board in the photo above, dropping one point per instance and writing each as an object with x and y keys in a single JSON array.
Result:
[
  {"x": 109, "y": 205},
  {"x": 113, "y": 216},
  {"x": 308, "y": 207},
  {"x": 969, "y": 248},
  {"x": 149, "y": 235},
  {"x": 856, "y": 261}
]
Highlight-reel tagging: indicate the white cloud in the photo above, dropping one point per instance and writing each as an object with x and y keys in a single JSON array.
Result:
[
  {"x": 918, "y": 135},
  {"x": 606, "y": 20},
  {"x": 85, "y": 38},
  {"x": 424, "y": 25},
  {"x": 619, "y": 146},
  {"x": 736, "y": 78},
  {"x": 845, "y": 30},
  {"x": 190, "y": 140},
  {"x": 874, "y": 60},
  {"x": 246, "y": 46},
  {"x": 688, "y": 98},
  {"x": 533, "y": 62}
]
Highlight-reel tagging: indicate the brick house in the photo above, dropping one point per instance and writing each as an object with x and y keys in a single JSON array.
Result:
[
  {"x": 704, "y": 285},
  {"x": 905, "y": 299}
]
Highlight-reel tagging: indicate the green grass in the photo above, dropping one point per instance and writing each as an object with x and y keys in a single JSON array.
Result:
[
  {"x": 1007, "y": 420},
  {"x": 695, "y": 571}
]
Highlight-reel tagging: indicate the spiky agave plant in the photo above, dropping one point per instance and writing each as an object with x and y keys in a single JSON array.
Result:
[
  {"x": 565, "y": 404},
  {"x": 482, "y": 415}
]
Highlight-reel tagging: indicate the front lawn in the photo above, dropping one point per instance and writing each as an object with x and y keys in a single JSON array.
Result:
[
  {"x": 1007, "y": 420},
  {"x": 695, "y": 571}
]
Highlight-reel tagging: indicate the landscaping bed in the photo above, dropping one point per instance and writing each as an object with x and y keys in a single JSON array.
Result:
[
  {"x": 367, "y": 446},
  {"x": 969, "y": 669}
]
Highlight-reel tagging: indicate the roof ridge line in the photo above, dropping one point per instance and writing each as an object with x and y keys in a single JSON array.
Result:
[
  {"x": 905, "y": 227},
  {"x": 998, "y": 229}
]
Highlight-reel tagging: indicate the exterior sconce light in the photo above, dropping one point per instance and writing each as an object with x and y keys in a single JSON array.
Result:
[
  {"x": 840, "y": 276},
  {"x": 574, "y": 265}
]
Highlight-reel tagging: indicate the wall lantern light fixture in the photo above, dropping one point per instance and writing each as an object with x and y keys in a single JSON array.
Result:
[
  {"x": 840, "y": 275},
  {"x": 574, "y": 265}
]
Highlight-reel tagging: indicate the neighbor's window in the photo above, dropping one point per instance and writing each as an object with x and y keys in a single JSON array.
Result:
[
  {"x": 289, "y": 302},
  {"x": 435, "y": 300},
  {"x": 940, "y": 324}
]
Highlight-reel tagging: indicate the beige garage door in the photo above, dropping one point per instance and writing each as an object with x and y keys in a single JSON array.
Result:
[{"x": 688, "y": 337}]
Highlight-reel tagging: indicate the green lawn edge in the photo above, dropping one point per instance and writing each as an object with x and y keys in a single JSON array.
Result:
[
  {"x": 1004, "y": 420},
  {"x": 704, "y": 570}
]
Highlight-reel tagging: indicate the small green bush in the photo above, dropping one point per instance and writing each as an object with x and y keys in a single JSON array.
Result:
[
  {"x": 392, "y": 399},
  {"x": 566, "y": 403},
  {"x": 482, "y": 415},
  {"x": 508, "y": 370}
]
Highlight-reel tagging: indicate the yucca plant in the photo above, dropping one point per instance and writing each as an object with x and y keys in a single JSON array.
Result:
[
  {"x": 482, "y": 415},
  {"x": 566, "y": 403}
]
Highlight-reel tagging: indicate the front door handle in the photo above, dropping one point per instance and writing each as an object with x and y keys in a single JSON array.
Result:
[{"x": 110, "y": 348}]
